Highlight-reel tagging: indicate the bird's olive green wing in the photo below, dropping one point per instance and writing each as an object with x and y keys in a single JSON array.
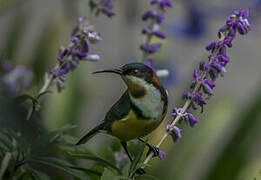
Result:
[{"x": 118, "y": 111}]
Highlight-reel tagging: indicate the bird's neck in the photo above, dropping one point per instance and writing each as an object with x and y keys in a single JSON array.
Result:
[{"x": 146, "y": 98}]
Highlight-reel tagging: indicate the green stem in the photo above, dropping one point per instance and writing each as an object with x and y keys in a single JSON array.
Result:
[
  {"x": 4, "y": 164},
  {"x": 47, "y": 83}
]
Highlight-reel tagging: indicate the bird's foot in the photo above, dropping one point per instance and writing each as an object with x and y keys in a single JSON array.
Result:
[
  {"x": 140, "y": 171},
  {"x": 155, "y": 150}
]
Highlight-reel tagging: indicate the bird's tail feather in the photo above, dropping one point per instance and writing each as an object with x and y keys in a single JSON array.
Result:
[{"x": 90, "y": 134}]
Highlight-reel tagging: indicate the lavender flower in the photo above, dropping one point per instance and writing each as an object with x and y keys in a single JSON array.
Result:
[
  {"x": 78, "y": 50},
  {"x": 203, "y": 84},
  {"x": 156, "y": 17},
  {"x": 150, "y": 48},
  {"x": 161, "y": 154},
  {"x": 102, "y": 6},
  {"x": 15, "y": 78}
]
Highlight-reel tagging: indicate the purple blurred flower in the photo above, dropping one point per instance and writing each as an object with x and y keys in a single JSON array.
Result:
[
  {"x": 156, "y": 16},
  {"x": 7, "y": 66},
  {"x": 150, "y": 48},
  {"x": 70, "y": 57},
  {"x": 161, "y": 154},
  {"x": 103, "y": 6},
  {"x": 15, "y": 78},
  {"x": 154, "y": 31},
  {"x": 165, "y": 3},
  {"x": 121, "y": 158}
]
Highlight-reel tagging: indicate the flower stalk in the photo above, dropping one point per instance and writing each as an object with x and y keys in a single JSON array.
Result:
[
  {"x": 69, "y": 58},
  {"x": 203, "y": 83},
  {"x": 156, "y": 17}
]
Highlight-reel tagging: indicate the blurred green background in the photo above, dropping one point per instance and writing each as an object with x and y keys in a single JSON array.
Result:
[{"x": 225, "y": 145}]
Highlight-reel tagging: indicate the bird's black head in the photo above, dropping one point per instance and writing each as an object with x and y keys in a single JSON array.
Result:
[
  {"x": 138, "y": 70},
  {"x": 139, "y": 78}
]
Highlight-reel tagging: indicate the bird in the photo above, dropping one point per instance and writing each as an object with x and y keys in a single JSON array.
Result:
[{"x": 140, "y": 109}]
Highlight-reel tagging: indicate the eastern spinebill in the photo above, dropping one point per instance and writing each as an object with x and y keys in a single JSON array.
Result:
[{"x": 140, "y": 109}]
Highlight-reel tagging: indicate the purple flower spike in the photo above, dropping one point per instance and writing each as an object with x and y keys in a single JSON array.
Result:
[
  {"x": 150, "y": 48},
  {"x": 198, "y": 99},
  {"x": 192, "y": 120},
  {"x": 159, "y": 34},
  {"x": 64, "y": 70},
  {"x": 207, "y": 89},
  {"x": 107, "y": 8},
  {"x": 148, "y": 14},
  {"x": 103, "y": 6},
  {"x": 211, "y": 46},
  {"x": 152, "y": 2},
  {"x": 186, "y": 95},
  {"x": 195, "y": 74},
  {"x": 223, "y": 59},
  {"x": 165, "y": 3},
  {"x": 175, "y": 132},
  {"x": 241, "y": 29},
  {"x": 160, "y": 17},
  {"x": 210, "y": 83},
  {"x": 161, "y": 154},
  {"x": 203, "y": 82},
  {"x": 151, "y": 14},
  {"x": 69, "y": 58}
]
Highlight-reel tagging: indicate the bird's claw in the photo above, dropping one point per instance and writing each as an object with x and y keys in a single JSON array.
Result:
[{"x": 155, "y": 150}]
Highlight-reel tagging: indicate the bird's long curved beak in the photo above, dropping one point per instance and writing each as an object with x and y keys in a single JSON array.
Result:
[{"x": 116, "y": 71}]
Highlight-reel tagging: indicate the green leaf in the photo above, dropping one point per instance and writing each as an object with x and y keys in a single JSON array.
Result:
[
  {"x": 126, "y": 169},
  {"x": 109, "y": 175},
  {"x": 4, "y": 164},
  {"x": 37, "y": 174},
  {"x": 6, "y": 141},
  {"x": 65, "y": 128},
  {"x": 146, "y": 177},
  {"x": 58, "y": 135},
  {"x": 70, "y": 140},
  {"x": 90, "y": 156},
  {"x": 62, "y": 165},
  {"x": 136, "y": 161},
  {"x": 89, "y": 171}
]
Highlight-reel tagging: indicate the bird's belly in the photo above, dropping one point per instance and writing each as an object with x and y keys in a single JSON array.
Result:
[{"x": 132, "y": 127}]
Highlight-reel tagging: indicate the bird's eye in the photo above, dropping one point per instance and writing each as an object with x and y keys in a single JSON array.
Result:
[{"x": 136, "y": 72}]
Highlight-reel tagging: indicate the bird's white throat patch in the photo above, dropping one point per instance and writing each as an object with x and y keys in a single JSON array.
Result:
[{"x": 150, "y": 104}]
